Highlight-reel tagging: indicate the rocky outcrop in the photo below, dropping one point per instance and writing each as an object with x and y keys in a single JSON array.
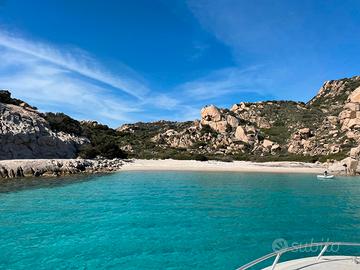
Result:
[
  {"x": 334, "y": 131},
  {"x": 301, "y": 142},
  {"x": 333, "y": 94},
  {"x": 349, "y": 117},
  {"x": 24, "y": 134},
  {"x": 56, "y": 167},
  {"x": 217, "y": 120},
  {"x": 176, "y": 139},
  {"x": 5, "y": 97},
  {"x": 347, "y": 166},
  {"x": 240, "y": 134},
  {"x": 251, "y": 113}
]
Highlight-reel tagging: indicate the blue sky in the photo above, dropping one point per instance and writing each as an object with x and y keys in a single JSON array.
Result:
[{"x": 126, "y": 61}]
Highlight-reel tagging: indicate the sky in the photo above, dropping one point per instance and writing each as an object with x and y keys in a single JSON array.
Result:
[{"x": 125, "y": 61}]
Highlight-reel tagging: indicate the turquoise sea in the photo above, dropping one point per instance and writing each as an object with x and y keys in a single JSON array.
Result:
[{"x": 169, "y": 220}]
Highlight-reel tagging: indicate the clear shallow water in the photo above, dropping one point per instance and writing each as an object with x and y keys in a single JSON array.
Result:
[{"x": 171, "y": 220}]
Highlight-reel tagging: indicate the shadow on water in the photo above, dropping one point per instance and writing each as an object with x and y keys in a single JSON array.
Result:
[{"x": 19, "y": 184}]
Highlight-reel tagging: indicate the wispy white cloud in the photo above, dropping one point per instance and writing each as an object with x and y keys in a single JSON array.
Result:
[
  {"x": 74, "y": 60},
  {"x": 54, "y": 88},
  {"x": 225, "y": 81},
  {"x": 70, "y": 81},
  {"x": 60, "y": 80},
  {"x": 164, "y": 101}
]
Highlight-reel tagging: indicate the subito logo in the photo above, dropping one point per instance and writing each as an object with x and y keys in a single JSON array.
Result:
[{"x": 279, "y": 244}]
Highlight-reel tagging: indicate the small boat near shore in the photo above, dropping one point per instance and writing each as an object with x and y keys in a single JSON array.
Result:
[{"x": 323, "y": 176}]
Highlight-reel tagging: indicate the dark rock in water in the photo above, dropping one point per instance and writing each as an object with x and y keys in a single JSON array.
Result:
[
  {"x": 19, "y": 172},
  {"x": 11, "y": 173},
  {"x": 37, "y": 173},
  {"x": 3, "y": 172}
]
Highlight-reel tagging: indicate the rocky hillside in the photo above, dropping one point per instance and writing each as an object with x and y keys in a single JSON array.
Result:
[{"x": 324, "y": 128}]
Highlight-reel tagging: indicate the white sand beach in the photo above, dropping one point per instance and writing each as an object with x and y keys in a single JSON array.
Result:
[{"x": 235, "y": 166}]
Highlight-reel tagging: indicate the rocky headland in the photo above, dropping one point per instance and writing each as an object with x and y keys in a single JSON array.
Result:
[{"x": 26, "y": 134}]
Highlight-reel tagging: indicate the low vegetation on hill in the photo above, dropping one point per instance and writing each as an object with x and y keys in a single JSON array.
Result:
[
  {"x": 5, "y": 97},
  {"x": 104, "y": 141}
]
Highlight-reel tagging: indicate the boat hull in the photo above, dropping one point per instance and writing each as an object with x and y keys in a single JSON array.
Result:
[
  {"x": 325, "y": 176},
  {"x": 325, "y": 263}
]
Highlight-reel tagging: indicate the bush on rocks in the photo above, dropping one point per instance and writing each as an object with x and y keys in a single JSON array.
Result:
[
  {"x": 108, "y": 150},
  {"x": 61, "y": 122}
]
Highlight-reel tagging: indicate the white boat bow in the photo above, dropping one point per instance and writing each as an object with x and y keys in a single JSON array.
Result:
[{"x": 314, "y": 263}]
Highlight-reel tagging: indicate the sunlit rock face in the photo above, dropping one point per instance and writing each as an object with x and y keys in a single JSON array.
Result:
[{"x": 25, "y": 134}]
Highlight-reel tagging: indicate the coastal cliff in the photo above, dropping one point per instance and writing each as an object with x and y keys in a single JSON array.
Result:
[{"x": 25, "y": 134}]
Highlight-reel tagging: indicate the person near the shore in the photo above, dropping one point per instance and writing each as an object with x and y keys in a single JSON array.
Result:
[{"x": 345, "y": 168}]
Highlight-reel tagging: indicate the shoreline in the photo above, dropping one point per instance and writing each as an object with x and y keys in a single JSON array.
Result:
[
  {"x": 219, "y": 166},
  {"x": 24, "y": 168}
]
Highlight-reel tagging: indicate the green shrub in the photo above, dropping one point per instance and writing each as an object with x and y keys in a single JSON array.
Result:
[
  {"x": 104, "y": 140},
  {"x": 337, "y": 156},
  {"x": 105, "y": 149},
  {"x": 88, "y": 151},
  {"x": 61, "y": 122},
  {"x": 207, "y": 129},
  {"x": 228, "y": 128},
  {"x": 198, "y": 144},
  {"x": 5, "y": 97},
  {"x": 223, "y": 158},
  {"x": 242, "y": 156},
  {"x": 200, "y": 157},
  {"x": 277, "y": 133},
  {"x": 110, "y": 150}
]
